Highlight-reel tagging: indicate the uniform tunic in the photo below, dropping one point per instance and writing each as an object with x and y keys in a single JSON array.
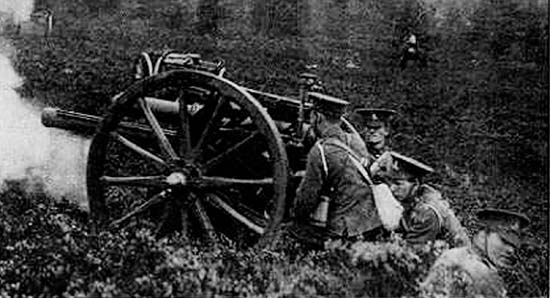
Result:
[
  {"x": 351, "y": 209},
  {"x": 378, "y": 153},
  {"x": 380, "y": 164},
  {"x": 461, "y": 272},
  {"x": 430, "y": 217}
]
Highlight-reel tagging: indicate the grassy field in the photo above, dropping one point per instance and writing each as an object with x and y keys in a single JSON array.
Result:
[{"x": 478, "y": 112}]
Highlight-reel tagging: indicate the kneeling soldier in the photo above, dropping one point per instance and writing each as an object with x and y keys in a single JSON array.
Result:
[
  {"x": 427, "y": 215},
  {"x": 330, "y": 173},
  {"x": 474, "y": 271}
]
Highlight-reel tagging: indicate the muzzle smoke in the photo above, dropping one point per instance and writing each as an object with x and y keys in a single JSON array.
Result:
[
  {"x": 16, "y": 11},
  {"x": 46, "y": 160}
]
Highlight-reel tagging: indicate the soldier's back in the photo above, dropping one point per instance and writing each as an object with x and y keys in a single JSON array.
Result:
[{"x": 353, "y": 211}]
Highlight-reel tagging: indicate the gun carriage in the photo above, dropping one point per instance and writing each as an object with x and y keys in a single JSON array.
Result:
[{"x": 185, "y": 148}]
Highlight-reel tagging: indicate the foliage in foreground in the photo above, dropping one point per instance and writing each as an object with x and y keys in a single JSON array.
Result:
[{"x": 49, "y": 249}]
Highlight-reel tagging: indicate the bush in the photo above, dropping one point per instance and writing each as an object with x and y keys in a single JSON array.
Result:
[{"x": 50, "y": 250}]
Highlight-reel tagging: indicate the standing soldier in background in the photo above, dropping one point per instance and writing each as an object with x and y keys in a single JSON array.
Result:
[
  {"x": 474, "y": 271},
  {"x": 208, "y": 13},
  {"x": 411, "y": 52},
  {"x": 427, "y": 215},
  {"x": 330, "y": 173}
]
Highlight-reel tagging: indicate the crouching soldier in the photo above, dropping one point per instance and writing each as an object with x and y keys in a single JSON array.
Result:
[
  {"x": 331, "y": 180},
  {"x": 474, "y": 271},
  {"x": 427, "y": 216}
]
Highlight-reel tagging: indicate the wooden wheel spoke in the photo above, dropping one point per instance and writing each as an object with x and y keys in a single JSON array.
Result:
[
  {"x": 165, "y": 145},
  {"x": 144, "y": 181},
  {"x": 180, "y": 203},
  {"x": 207, "y": 130},
  {"x": 234, "y": 149},
  {"x": 184, "y": 217},
  {"x": 218, "y": 203},
  {"x": 165, "y": 218},
  {"x": 139, "y": 150},
  {"x": 204, "y": 220},
  {"x": 185, "y": 133},
  {"x": 156, "y": 199},
  {"x": 224, "y": 182}
]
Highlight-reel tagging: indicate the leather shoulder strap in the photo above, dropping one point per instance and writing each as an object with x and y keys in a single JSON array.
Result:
[
  {"x": 323, "y": 159},
  {"x": 354, "y": 158},
  {"x": 341, "y": 145}
]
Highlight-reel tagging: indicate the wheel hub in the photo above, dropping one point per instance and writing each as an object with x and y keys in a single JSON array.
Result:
[
  {"x": 183, "y": 175},
  {"x": 177, "y": 179}
]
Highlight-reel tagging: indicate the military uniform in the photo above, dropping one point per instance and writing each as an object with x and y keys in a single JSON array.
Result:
[
  {"x": 461, "y": 272},
  {"x": 380, "y": 165},
  {"x": 375, "y": 119},
  {"x": 351, "y": 212},
  {"x": 432, "y": 218},
  {"x": 427, "y": 215},
  {"x": 472, "y": 271}
]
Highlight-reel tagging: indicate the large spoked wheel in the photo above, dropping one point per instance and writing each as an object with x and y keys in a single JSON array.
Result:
[{"x": 190, "y": 151}]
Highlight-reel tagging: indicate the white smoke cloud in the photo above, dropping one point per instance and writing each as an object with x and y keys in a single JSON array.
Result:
[
  {"x": 18, "y": 10},
  {"x": 48, "y": 160}
]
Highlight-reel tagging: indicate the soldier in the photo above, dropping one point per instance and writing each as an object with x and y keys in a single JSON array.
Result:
[
  {"x": 375, "y": 129},
  {"x": 411, "y": 51},
  {"x": 427, "y": 215},
  {"x": 474, "y": 271},
  {"x": 330, "y": 173}
]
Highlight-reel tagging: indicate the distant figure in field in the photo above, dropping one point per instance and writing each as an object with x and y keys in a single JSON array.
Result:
[
  {"x": 208, "y": 13},
  {"x": 412, "y": 52}
]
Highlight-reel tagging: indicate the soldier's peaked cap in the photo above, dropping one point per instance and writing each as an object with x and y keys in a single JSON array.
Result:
[
  {"x": 502, "y": 217},
  {"x": 375, "y": 117},
  {"x": 404, "y": 167},
  {"x": 327, "y": 104}
]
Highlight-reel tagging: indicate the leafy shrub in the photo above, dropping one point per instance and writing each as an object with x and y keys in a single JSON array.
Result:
[{"x": 49, "y": 249}]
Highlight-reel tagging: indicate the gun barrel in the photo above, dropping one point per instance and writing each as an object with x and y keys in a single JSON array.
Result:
[
  {"x": 87, "y": 124},
  {"x": 73, "y": 121}
]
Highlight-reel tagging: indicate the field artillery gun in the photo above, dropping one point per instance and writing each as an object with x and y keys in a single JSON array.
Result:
[{"x": 185, "y": 148}]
